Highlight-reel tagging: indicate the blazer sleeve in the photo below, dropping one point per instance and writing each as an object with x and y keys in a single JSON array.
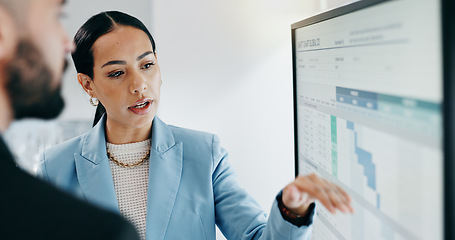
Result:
[{"x": 237, "y": 214}]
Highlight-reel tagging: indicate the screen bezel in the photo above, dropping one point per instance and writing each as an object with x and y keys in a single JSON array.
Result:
[
  {"x": 448, "y": 54},
  {"x": 448, "y": 105}
]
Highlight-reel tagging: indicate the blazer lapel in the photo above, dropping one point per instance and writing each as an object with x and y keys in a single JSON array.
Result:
[
  {"x": 93, "y": 169},
  {"x": 165, "y": 171}
]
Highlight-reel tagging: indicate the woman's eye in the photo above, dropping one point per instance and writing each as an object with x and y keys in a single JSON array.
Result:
[
  {"x": 115, "y": 74},
  {"x": 148, "y": 65}
]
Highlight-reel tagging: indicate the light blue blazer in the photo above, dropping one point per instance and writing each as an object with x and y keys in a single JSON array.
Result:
[{"x": 191, "y": 187}]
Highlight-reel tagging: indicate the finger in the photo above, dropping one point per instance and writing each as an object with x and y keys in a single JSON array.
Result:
[
  {"x": 348, "y": 199},
  {"x": 342, "y": 192},
  {"x": 320, "y": 191},
  {"x": 345, "y": 199},
  {"x": 337, "y": 199},
  {"x": 321, "y": 195}
]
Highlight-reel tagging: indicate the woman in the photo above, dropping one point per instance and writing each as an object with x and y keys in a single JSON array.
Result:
[{"x": 171, "y": 182}]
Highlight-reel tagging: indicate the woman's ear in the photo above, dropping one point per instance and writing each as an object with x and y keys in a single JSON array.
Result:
[{"x": 86, "y": 83}]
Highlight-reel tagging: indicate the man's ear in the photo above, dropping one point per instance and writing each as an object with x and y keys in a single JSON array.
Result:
[
  {"x": 8, "y": 35},
  {"x": 87, "y": 84}
]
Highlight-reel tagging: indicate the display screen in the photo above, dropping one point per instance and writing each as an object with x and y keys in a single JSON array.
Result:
[{"x": 368, "y": 116}]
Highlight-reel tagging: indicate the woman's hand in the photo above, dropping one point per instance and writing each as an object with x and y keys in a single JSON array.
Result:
[{"x": 298, "y": 195}]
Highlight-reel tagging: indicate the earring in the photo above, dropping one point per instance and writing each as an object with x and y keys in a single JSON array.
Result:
[{"x": 94, "y": 102}]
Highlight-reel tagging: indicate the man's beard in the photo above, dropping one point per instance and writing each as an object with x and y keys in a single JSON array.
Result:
[{"x": 29, "y": 84}]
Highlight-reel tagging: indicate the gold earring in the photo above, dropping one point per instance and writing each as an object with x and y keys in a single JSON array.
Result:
[{"x": 94, "y": 102}]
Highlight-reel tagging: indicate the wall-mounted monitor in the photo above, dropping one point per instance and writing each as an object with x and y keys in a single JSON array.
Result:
[{"x": 372, "y": 111}]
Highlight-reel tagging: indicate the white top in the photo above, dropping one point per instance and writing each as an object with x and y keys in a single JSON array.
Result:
[{"x": 131, "y": 183}]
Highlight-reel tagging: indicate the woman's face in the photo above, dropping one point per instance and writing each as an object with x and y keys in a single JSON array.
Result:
[{"x": 126, "y": 77}]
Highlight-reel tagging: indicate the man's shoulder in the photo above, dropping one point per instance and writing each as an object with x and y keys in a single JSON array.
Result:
[{"x": 34, "y": 209}]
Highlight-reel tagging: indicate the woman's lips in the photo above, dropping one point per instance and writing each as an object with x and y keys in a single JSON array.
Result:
[{"x": 141, "y": 107}]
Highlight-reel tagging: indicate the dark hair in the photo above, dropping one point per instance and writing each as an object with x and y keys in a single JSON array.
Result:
[{"x": 97, "y": 26}]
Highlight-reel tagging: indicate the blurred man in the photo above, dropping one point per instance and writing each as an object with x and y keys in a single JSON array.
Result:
[{"x": 33, "y": 46}]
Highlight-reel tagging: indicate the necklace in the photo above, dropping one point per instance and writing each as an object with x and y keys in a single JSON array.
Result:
[{"x": 127, "y": 165}]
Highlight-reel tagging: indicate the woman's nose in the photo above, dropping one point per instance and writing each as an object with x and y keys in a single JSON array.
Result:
[{"x": 138, "y": 84}]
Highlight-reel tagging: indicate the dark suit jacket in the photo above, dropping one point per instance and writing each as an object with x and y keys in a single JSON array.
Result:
[{"x": 32, "y": 209}]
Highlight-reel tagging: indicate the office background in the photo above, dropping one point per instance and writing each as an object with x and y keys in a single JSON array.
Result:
[{"x": 226, "y": 69}]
